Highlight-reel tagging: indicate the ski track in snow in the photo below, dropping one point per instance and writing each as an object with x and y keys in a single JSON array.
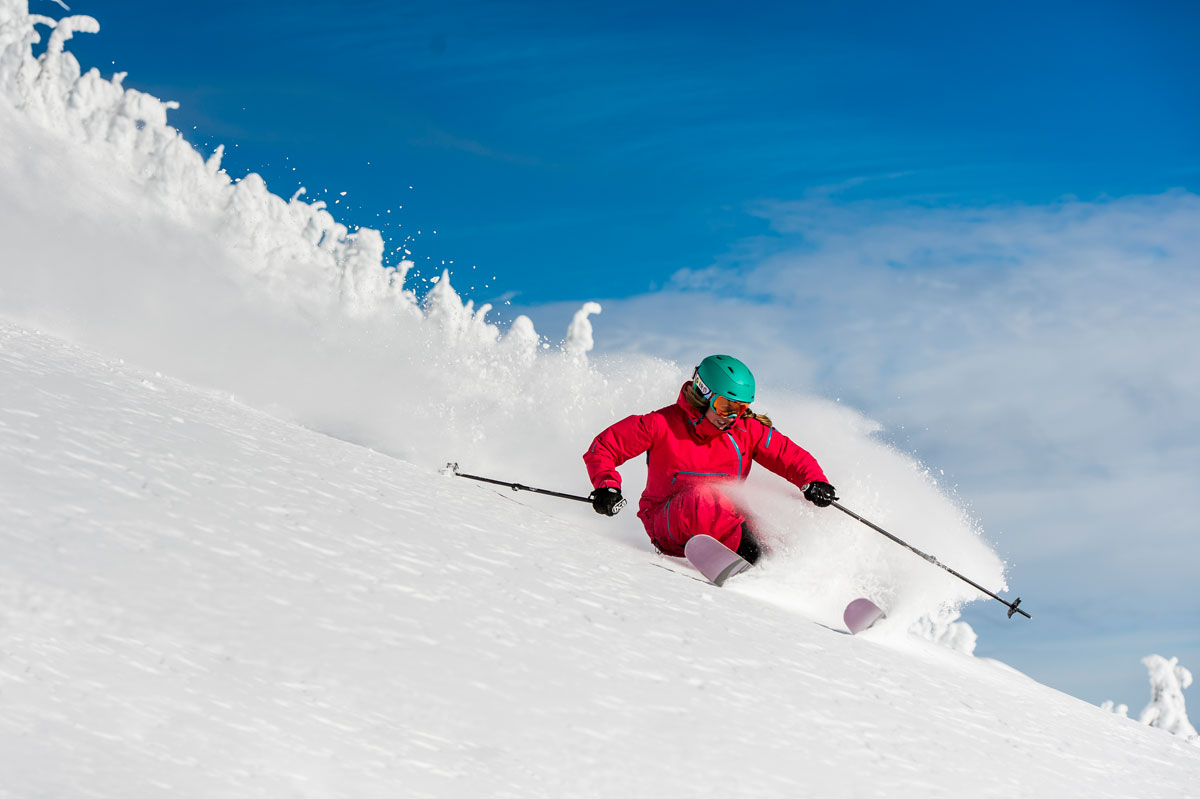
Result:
[{"x": 200, "y": 599}]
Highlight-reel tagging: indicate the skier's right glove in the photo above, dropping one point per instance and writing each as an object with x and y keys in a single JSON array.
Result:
[
  {"x": 607, "y": 500},
  {"x": 820, "y": 494}
]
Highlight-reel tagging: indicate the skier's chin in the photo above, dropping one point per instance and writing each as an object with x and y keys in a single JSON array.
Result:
[{"x": 718, "y": 421}]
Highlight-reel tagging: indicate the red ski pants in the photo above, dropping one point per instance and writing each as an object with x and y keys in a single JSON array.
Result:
[{"x": 697, "y": 509}]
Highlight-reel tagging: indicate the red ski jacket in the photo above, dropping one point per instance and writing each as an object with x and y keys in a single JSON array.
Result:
[{"x": 684, "y": 447}]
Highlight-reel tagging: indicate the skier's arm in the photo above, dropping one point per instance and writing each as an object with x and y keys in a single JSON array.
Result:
[
  {"x": 624, "y": 440},
  {"x": 786, "y": 458}
]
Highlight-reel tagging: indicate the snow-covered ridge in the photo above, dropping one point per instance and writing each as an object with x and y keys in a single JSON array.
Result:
[
  {"x": 307, "y": 275},
  {"x": 294, "y": 240},
  {"x": 119, "y": 235}
]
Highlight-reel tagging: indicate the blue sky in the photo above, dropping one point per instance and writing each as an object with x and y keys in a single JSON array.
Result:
[
  {"x": 977, "y": 224},
  {"x": 583, "y": 148}
]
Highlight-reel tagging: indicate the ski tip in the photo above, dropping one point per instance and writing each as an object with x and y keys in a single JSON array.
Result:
[
  {"x": 713, "y": 559},
  {"x": 699, "y": 542},
  {"x": 861, "y": 614}
]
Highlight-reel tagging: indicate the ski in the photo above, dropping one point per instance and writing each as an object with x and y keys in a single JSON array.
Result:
[
  {"x": 713, "y": 559},
  {"x": 861, "y": 614}
]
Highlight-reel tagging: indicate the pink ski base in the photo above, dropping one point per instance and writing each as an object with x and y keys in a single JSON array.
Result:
[
  {"x": 861, "y": 614},
  {"x": 713, "y": 559}
]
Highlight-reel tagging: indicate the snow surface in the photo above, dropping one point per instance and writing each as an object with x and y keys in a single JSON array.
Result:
[
  {"x": 218, "y": 590},
  {"x": 201, "y": 599}
]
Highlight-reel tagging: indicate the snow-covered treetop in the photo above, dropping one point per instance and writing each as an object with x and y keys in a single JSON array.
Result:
[
  {"x": 1167, "y": 709},
  {"x": 289, "y": 241}
]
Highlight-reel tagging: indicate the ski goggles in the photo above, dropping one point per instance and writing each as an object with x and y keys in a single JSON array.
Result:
[{"x": 727, "y": 407}]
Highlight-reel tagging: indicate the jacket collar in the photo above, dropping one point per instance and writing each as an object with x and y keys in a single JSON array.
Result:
[{"x": 701, "y": 428}]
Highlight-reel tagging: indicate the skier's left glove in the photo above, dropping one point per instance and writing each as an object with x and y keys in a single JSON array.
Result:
[
  {"x": 607, "y": 500},
  {"x": 820, "y": 494}
]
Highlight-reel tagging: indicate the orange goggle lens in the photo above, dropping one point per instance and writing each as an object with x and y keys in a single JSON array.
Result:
[{"x": 727, "y": 407}]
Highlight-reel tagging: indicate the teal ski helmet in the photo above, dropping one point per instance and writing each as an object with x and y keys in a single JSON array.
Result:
[{"x": 726, "y": 376}]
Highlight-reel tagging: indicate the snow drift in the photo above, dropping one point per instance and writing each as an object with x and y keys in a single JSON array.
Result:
[{"x": 119, "y": 234}]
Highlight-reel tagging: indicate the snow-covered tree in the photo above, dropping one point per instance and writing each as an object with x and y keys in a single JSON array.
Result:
[
  {"x": 579, "y": 341},
  {"x": 1112, "y": 707},
  {"x": 1167, "y": 709}
]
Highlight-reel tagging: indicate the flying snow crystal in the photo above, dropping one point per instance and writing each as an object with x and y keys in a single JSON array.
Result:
[
  {"x": 1167, "y": 709},
  {"x": 579, "y": 334}
]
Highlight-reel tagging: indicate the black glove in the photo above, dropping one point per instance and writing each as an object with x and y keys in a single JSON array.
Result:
[
  {"x": 820, "y": 494},
  {"x": 607, "y": 500}
]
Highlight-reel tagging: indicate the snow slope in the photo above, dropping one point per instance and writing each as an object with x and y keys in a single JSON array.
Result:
[{"x": 200, "y": 599}]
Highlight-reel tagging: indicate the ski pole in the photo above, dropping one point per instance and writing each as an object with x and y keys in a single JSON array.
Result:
[
  {"x": 452, "y": 468},
  {"x": 1012, "y": 607}
]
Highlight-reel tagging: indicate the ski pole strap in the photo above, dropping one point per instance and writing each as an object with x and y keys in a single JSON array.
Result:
[
  {"x": 1012, "y": 607},
  {"x": 452, "y": 468}
]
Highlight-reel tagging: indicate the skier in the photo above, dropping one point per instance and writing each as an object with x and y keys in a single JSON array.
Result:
[{"x": 709, "y": 436}]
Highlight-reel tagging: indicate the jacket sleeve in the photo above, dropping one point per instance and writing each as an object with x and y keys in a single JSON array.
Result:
[
  {"x": 786, "y": 458},
  {"x": 626, "y": 439}
]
